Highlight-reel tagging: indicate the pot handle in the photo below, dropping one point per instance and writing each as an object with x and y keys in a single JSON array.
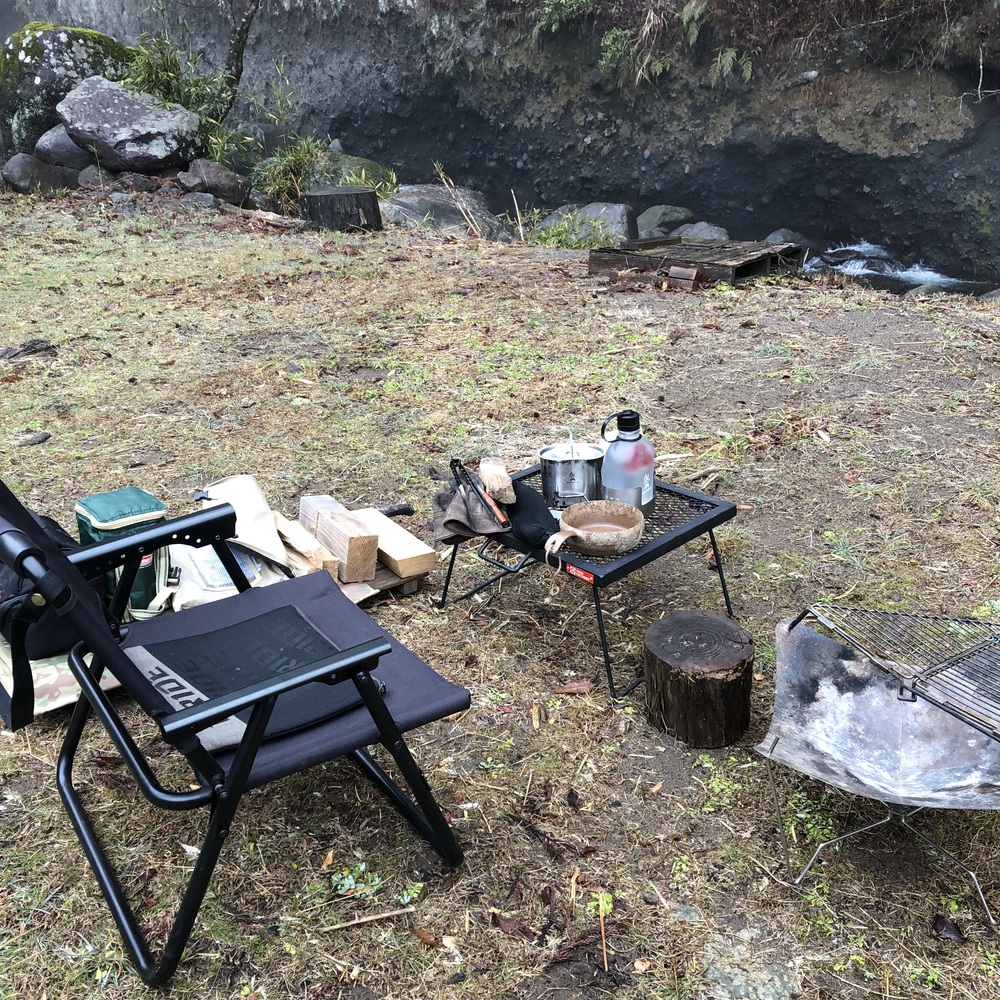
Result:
[{"x": 555, "y": 542}]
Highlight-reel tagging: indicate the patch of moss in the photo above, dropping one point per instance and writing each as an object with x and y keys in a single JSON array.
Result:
[
  {"x": 102, "y": 53},
  {"x": 983, "y": 203}
]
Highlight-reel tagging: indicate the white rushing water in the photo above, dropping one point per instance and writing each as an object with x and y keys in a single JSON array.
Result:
[{"x": 871, "y": 260}]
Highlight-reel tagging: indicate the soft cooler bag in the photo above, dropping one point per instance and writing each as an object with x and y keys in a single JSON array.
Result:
[{"x": 108, "y": 515}]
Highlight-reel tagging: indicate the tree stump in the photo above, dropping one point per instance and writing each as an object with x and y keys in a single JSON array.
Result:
[
  {"x": 342, "y": 208},
  {"x": 698, "y": 667}
]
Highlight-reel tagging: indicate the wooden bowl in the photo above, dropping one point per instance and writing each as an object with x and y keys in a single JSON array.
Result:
[{"x": 598, "y": 528}]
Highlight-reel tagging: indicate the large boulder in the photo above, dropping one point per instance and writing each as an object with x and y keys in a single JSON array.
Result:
[
  {"x": 610, "y": 221},
  {"x": 129, "y": 131},
  {"x": 27, "y": 174},
  {"x": 440, "y": 207},
  {"x": 39, "y": 66},
  {"x": 701, "y": 231},
  {"x": 339, "y": 169}
]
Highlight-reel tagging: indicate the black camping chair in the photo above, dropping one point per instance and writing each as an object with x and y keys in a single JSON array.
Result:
[{"x": 249, "y": 689}]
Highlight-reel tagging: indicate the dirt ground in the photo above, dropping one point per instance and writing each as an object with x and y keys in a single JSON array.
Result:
[{"x": 855, "y": 431}]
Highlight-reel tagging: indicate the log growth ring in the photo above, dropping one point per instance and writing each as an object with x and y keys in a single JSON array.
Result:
[{"x": 700, "y": 642}]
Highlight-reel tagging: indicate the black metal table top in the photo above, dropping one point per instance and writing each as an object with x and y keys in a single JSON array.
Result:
[{"x": 678, "y": 516}]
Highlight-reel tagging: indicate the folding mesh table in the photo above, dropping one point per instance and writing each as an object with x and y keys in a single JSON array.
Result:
[{"x": 678, "y": 516}]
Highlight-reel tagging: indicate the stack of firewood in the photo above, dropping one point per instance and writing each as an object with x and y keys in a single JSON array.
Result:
[{"x": 364, "y": 550}]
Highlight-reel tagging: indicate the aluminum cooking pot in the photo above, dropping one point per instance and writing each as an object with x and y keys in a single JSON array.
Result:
[
  {"x": 570, "y": 473},
  {"x": 600, "y": 528}
]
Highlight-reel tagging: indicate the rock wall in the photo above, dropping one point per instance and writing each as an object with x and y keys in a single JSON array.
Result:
[{"x": 838, "y": 149}]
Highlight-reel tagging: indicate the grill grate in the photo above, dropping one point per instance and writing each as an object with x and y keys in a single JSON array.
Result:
[
  {"x": 952, "y": 662},
  {"x": 671, "y": 510}
]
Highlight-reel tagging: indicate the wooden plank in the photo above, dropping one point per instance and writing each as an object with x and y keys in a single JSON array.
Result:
[
  {"x": 404, "y": 553},
  {"x": 352, "y": 542},
  {"x": 613, "y": 261},
  {"x": 304, "y": 548},
  {"x": 384, "y": 580},
  {"x": 358, "y": 592},
  {"x": 720, "y": 260}
]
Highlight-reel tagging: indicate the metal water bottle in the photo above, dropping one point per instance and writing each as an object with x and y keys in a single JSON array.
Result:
[{"x": 628, "y": 473}]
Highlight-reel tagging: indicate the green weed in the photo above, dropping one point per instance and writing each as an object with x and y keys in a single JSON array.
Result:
[
  {"x": 356, "y": 882},
  {"x": 289, "y": 173},
  {"x": 385, "y": 186},
  {"x": 812, "y": 820},
  {"x": 552, "y": 15}
]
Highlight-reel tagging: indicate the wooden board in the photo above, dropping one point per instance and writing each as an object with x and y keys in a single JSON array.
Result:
[
  {"x": 684, "y": 278},
  {"x": 404, "y": 553},
  {"x": 385, "y": 580},
  {"x": 304, "y": 549}
]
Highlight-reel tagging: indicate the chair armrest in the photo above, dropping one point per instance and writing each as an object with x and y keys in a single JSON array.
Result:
[
  {"x": 341, "y": 667},
  {"x": 204, "y": 527}
]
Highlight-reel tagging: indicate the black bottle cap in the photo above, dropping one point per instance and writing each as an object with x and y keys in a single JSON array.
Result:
[{"x": 628, "y": 420}]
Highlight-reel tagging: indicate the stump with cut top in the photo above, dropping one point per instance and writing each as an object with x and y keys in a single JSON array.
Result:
[
  {"x": 342, "y": 208},
  {"x": 698, "y": 667}
]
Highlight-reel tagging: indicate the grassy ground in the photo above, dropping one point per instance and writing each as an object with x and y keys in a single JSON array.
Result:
[{"x": 855, "y": 431}]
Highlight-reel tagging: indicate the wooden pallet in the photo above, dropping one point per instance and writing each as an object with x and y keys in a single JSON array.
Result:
[
  {"x": 384, "y": 581},
  {"x": 715, "y": 260}
]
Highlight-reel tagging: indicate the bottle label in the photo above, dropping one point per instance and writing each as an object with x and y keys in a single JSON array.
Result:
[
  {"x": 634, "y": 496},
  {"x": 648, "y": 489}
]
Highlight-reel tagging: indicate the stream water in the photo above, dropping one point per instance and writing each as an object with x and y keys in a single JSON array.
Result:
[{"x": 874, "y": 265}]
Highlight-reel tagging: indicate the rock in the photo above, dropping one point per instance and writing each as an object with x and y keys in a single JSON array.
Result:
[
  {"x": 991, "y": 296},
  {"x": 136, "y": 182},
  {"x": 598, "y": 222},
  {"x": 57, "y": 148},
  {"x": 129, "y": 131},
  {"x": 200, "y": 200},
  {"x": 216, "y": 179},
  {"x": 927, "y": 288},
  {"x": 42, "y": 63},
  {"x": 95, "y": 178},
  {"x": 558, "y": 217},
  {"x": 438, "y": 207},
  {"x": 189, "y": 181},
  {"x": 27, "y": 174},
  {"x": 610, "y": 221},
  {"x": 339, "y": 169},
  {"x": 790, "y": 236},
  {"x": 263, "y": 202},
  {"x": 701, "y": 231},
  {"x": 664, "y": 217}
]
